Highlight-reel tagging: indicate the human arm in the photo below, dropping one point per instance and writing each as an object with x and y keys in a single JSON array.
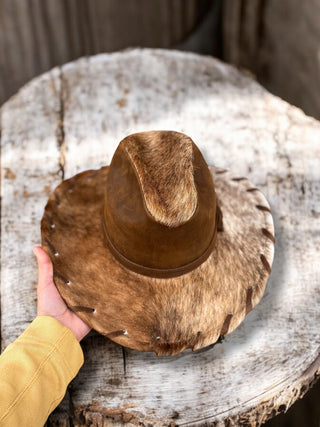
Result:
[{"x": 36, "y": 369}]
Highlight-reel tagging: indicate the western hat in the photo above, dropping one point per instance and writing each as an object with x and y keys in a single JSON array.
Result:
[{"x": 158, "y": 251}]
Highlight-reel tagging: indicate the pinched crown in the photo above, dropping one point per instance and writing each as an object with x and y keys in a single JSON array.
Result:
[
  {"x": 164, "y": 165},
  {"x": 160, "y": 206}
]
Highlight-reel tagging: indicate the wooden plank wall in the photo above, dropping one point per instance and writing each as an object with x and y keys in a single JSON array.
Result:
[
  {"x": 36, "y": 35},
  {"x": 279, "y": 42}
]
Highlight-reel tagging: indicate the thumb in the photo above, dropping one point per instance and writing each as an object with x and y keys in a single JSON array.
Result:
[{"x": 45, "y": 269}]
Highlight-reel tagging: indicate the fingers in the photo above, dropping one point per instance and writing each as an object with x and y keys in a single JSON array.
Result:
[
  {"x": 50, "y": 302},
  {"x": 45, "y": 269}
]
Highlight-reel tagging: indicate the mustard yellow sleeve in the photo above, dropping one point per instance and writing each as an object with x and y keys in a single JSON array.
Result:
[{"x": 35, "y": 371}]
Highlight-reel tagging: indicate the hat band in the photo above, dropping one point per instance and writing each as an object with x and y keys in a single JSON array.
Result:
[{"x": 164, "y": 273}]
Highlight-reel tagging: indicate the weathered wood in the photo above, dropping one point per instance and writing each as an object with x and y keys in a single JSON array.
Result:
[
  {"x": 279, "y": 42},
  {"x": 36, "y": 35},
  {"x": 30, "y": 155},
  {"x": 273, "y": 357}
]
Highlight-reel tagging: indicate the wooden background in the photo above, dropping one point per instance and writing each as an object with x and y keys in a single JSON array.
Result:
[
  {"x": 69, "y": 120},
  {"x": 277, "y": 41},
  {"x": 36, "y": 35}
]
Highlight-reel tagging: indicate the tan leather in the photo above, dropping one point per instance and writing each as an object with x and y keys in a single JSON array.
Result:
[
  {"x": 164, "y": 315},
  {"x": 146, "y": 246}
]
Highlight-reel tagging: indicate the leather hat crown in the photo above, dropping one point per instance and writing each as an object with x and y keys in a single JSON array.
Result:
[{"x": 160, "y": 221}]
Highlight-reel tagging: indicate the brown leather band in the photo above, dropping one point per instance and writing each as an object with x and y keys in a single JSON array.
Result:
[{"x": 163, "y": 273}]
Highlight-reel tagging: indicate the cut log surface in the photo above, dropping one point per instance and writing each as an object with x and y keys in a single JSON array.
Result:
[{"x": 72, "y": 119}]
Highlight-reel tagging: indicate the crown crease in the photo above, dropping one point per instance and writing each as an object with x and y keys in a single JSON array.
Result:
[{"x": 164, "y": 165}]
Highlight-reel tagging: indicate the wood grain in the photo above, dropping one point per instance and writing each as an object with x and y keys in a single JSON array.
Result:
[
  {"x": 30, "y": 170},
  {"x": 273, "y": 357}
]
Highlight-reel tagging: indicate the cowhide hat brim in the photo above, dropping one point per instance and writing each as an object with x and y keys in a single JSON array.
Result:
[{"x": 161, "y": 314}]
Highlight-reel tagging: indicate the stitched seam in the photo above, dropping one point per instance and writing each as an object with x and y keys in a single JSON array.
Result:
[
  {"x": 34, "y": 377},
  {"x": 40, "y": 341}
]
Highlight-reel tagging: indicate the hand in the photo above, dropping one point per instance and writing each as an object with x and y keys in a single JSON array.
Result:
[{"x": 50, "y": 302}]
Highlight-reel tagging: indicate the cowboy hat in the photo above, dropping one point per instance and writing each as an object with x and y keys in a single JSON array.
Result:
[{"x": 157, "y": 251}]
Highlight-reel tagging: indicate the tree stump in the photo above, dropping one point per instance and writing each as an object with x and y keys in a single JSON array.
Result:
[{"x": 71, "y": 119}]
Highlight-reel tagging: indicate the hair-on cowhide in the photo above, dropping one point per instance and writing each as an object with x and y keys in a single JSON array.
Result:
[
  {"x": 163, "y": 161},
  {"x": 152, "y": 314}
]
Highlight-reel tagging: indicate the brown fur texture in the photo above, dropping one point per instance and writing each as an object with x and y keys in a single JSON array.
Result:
[
  {"x": 161, "y": 315},
  {"x": 163, "y": 162}
]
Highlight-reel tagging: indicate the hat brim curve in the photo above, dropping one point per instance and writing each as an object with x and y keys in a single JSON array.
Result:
[{"x": 153, "y": 314}]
